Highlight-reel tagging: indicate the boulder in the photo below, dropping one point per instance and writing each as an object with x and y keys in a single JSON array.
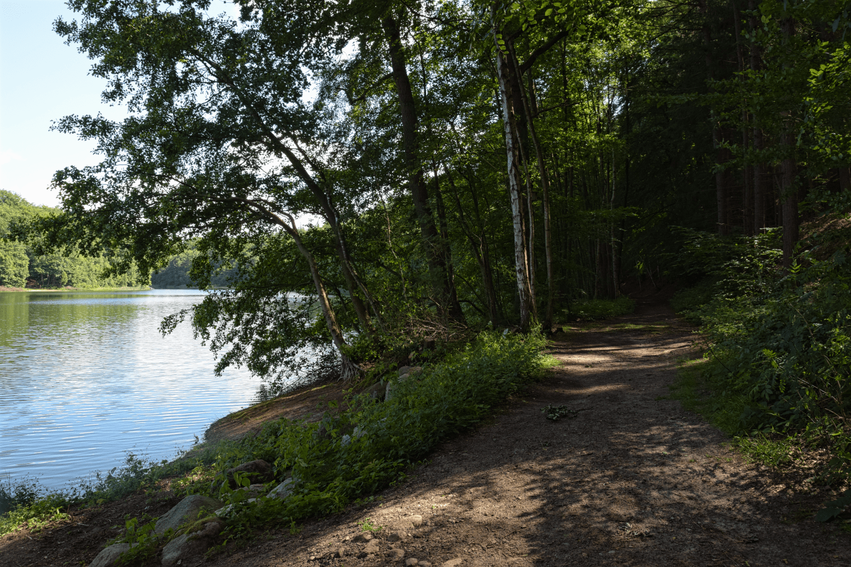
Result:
[
  {"x": 283, "y": 490},
  {"x": 258, "y": 471},
  {"x": 404, "y": 374},
  {"x": 192, "y": 544},
  {"x": 109, "y": 556},
  {"x": 185, "y": 511},
  {"x": 376, "y": 391}
]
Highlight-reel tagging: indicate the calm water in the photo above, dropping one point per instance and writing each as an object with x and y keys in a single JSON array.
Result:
[{"x": 86, "y": 377}]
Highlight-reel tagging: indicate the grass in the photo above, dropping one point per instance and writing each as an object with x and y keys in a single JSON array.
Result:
[{"x": 700, "y": 393}]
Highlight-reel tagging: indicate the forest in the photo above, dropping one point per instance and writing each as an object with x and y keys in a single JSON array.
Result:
[
  {"x": 23, "y": 264},
  {"x": 414, "y": 172}
]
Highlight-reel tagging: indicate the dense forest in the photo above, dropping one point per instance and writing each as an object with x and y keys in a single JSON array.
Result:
[
  {"x": 23, "y": 265},
  {"x": 414, "y": 171}
]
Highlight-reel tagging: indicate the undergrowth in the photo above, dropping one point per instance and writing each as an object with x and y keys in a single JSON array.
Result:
[
  {"x": 775, "y": 374},
  {"x": 598, "y": 309}
]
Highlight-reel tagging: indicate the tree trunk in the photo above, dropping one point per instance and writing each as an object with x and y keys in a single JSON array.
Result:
[
  {"x": 350, "y": 370},
  {"x": 788, "y": 193},
  {"x": 440, "y": 283},
  {"x": 528, "y": 108},
  {"x": 758, "y": 166},
  {"x": 524, "y": 291}
]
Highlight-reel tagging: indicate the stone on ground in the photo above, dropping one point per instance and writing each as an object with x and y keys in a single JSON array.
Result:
[
  {"x": 185, "y": 511},
  {"x": 109, "y": 556},
  {"x": 192, "y": 544}
]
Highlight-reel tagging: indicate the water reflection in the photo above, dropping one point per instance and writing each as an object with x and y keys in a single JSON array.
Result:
[{"x": 85, "y": 377}]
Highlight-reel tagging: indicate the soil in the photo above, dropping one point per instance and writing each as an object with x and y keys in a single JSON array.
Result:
[{"x": 627, "y": 477}]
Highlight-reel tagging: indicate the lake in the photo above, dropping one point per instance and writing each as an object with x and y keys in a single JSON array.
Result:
[{"x": 87, "y": 377}]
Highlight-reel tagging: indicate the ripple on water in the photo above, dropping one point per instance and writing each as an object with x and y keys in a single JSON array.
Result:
[{"x": 86, "y": 377}]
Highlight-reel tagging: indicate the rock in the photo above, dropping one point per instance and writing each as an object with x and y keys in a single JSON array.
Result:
[
  {"x": 397, "y": 554},
  {"x": 192, "y": 544},
  {"x": 283, "y": 490},
  {"x": 362, "y": 537},
  {"x": 109, "y": 556},
  {"x": 392, "y": 537},
  {"x": 411, "y": 561},
  {"x": 404, "y": 373},
  {"x": 185, "y": 511},
  {"x": 416, "y": 520},
  {"x": 376, "y": 391},
  {"x": 226, "y": 510},
  {"x": 258, "y": 471},
  {"x": 457, "y": 562},
  {"x": 424, "y": 564},
  {"x": 372, "y": 547},
  {"x": 338, "y": 551}
]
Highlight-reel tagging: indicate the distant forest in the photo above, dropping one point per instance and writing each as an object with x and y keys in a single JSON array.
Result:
[{"x": 21, "y": 266}]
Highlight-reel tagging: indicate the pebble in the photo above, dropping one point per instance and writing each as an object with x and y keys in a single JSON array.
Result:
[
  {"x": 411, "y": 561},
  {"x": 397, "y": 554},
  {"x": 372, "y": 547},
  {"x": 339, "y": 551}
]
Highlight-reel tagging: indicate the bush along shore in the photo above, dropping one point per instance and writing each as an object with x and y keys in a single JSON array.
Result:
[{"x": 318, "y": 468}]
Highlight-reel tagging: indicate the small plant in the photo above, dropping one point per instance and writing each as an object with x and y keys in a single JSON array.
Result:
[
  {"x": 368, "y": 526},
  {"x": 554, "y": 413}
]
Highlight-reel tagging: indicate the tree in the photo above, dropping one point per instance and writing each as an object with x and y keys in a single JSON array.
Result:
[
  {"x": 14, "y": 264},
  {"x": 220, "y": 145}
]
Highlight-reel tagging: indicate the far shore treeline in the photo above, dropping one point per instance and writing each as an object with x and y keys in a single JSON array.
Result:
[{"x": 23, "y": 267}]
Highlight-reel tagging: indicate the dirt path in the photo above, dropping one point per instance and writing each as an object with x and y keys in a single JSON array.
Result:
[{"x": 632, "y": 480}]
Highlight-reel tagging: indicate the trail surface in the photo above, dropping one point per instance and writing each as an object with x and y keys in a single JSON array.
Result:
[{"x": 632, "y": 479}]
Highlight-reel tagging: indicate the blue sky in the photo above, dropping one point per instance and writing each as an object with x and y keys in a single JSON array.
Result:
[{"x": 42, "y": 80}]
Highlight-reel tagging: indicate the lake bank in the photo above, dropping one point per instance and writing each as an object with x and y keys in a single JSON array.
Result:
[{"x": 69, "y": 289}]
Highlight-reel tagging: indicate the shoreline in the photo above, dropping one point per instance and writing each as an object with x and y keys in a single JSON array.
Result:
[{"x": 7, "y": 289}]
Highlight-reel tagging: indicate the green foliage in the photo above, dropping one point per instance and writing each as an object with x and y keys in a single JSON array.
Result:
[
  {"x": 368, "y": 446},
  {"x": 777, "y": 372},
  {"x": 368, "y": 526},
  {"x": 14, "y": 264},
  {"x": 26, "y": 504},
  {"x": 20, "y": 259},
  {"x": 599, "y": 309}
]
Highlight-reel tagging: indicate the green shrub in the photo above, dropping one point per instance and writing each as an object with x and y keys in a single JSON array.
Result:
[
  {"x": 369, "y": 446},
  {"x": 781, "y": 355}
]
